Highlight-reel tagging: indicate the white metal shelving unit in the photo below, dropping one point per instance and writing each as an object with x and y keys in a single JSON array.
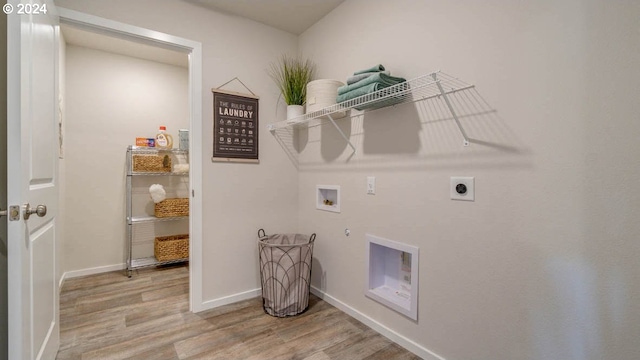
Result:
[
  {"x": 136, "y": 263},
  {"x": 437, "y": 84}
]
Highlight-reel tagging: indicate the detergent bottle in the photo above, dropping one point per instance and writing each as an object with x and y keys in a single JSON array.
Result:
[{"x": 163, "y": 140}]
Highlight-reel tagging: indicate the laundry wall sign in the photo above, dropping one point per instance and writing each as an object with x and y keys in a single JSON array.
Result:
[{"x": 235, "y": 127}]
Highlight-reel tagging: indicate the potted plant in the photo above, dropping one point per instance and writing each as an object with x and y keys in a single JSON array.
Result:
[{"x": 292, "y": 74}]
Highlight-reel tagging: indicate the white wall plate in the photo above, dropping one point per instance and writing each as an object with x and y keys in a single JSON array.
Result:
[{"x": 462, "y": 188}]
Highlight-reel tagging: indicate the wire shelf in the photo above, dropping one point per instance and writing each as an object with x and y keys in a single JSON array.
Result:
[
  {"x": 456, "y": 99},
  {"x": 147, "y": 173},
  {"x": 421, "y": 88},
  {"x": 154, "y": 150},
  {"x": 144, "y": 219},
  {"x": 182, "y": 156},
  {"x": 152, "y": 261}
]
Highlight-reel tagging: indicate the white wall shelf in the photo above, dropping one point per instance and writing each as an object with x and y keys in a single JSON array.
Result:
[
  {"x": 425, "y": 87},
  {"x": 392, "y": 275}
]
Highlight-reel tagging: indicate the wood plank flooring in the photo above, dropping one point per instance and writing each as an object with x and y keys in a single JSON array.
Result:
[{"x": 109, "y": 316}]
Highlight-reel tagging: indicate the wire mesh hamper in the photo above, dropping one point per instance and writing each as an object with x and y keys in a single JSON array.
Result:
[{"x": 285, "y": 272}]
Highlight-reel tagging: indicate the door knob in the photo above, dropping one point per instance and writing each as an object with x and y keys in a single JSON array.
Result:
[{"x": 40, "y": 210}]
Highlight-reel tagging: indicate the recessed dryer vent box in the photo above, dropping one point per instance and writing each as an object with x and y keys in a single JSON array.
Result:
[
  {"x": 328, "y": 198},
  {"x": 392, "y": 276}
]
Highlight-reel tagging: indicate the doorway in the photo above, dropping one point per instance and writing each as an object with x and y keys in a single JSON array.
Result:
[{"x": 142, "y": 44}]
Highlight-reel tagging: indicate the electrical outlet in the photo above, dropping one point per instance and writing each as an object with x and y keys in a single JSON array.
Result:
[
  {"x": 462, "y": 188},
  {"x": 371, "y": 185}
]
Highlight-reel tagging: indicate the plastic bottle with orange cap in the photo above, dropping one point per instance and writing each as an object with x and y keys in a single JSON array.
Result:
[{"x": 164, "y": 140}]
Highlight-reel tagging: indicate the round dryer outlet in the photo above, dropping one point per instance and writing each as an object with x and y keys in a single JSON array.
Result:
[{"x": 462, "y": 188}]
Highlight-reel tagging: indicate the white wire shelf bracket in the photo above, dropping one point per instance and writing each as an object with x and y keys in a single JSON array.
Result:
[{"x": 436, "y": 84}]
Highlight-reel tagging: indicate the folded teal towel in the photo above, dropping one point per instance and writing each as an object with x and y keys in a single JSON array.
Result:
[
  {"x": 367, "y": 89},
  {"x": 378, "y": 78},
  {"x": 371, "y": 69},
  {"x": 355, "y": 78},
  {"x": 363, "y": 90}
]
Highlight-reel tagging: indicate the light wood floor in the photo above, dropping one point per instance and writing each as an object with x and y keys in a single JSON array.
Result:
[{"x": 109, "y": 316}]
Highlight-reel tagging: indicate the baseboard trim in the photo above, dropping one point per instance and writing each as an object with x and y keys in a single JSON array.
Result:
[
  {"x": 211, "y": 304},
  {"x": 380, "y": 328},
  {"x": 61, "y": 281},
  {"x": 90, "y": 271}
]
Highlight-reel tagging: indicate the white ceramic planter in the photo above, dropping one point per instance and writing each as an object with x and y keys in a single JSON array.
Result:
[{"x": 294, "y": 111}]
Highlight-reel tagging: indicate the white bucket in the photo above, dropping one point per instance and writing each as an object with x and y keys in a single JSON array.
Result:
[{"x": 323, "y": 93}]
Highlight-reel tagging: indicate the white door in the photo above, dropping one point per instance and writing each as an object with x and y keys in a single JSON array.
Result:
[{"x": 32, "y": 163}]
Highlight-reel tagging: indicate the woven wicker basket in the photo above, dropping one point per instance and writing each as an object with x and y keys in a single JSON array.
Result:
[
  {"x": 173, "y": 247},
  {"x": 172, "y": 207},
  {"x": 151, "y": 163}
]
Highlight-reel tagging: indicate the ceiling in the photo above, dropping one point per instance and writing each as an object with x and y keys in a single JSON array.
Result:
[
  {"x": 82, "y": 37},
  {"x": 293, "y": 16}
]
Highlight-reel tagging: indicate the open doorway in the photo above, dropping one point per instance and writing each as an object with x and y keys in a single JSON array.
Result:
[{"x": 121, "y": 82}]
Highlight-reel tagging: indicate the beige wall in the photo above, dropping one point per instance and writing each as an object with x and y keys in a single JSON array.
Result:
[
  {"x": 543, "y": 265},
  {"x": 238, "y": 199},
  {"x": 110, "y": 100}
]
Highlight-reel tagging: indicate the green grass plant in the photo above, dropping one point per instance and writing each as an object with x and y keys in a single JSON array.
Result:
[{"x": 292, "y": 74}]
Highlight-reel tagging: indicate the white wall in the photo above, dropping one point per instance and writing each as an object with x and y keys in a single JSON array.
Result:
[
  {"x": 110, "y": 100},
  {"x": 238, "y": 199},
  {"x": 543, "y": 265}
]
